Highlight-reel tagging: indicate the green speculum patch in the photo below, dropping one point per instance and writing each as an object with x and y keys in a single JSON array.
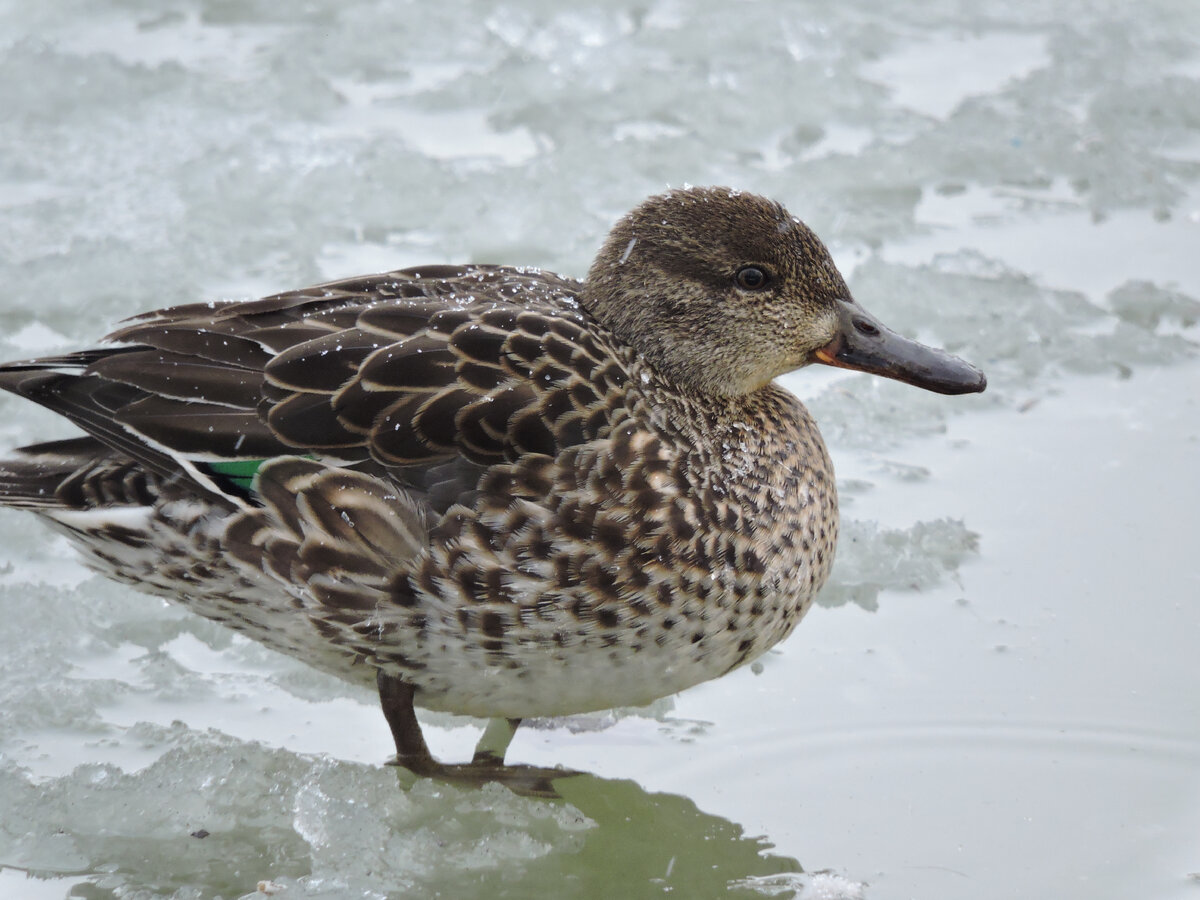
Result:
[{"x": 238, "y": 472}]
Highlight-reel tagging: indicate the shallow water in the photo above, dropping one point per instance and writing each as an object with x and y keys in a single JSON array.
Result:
[{"x": 997, "y": 695}]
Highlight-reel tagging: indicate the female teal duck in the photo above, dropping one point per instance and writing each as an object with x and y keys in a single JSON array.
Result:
[{"x": 488, "y": 490}]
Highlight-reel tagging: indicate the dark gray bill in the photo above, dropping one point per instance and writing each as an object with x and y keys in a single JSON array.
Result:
[{"x": 864, "y": 343}]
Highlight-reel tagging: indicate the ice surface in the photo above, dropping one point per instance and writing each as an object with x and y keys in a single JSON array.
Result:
[
  {"x": 818, "y": 886},
  {"x": 199, "y": 818},
  {"x": 214, "y": 816},
  {"x": 919, "y": 74},
  {"x": 1020, "y": 184},
  {"x": 872, "y": 559}
]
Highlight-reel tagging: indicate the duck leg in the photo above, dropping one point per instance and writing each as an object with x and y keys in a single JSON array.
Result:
[
  {"x": 396, "y": 698},
  {"x": 493, "y": 744},
  {"x": 412, "y": 753}
]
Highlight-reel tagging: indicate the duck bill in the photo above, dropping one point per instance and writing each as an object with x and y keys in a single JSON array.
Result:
[{"x": 866, "y": 344}]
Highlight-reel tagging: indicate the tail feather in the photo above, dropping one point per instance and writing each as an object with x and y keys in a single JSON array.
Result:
[
  {"x": 157, "y": 405},
  {"x": 60, "y": 385},
  {"x": 80, "y": 473},
  {"x": 31, "y": 477}
]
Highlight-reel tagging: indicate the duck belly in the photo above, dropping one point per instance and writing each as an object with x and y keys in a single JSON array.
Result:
[{"x": 562, "y": 660}]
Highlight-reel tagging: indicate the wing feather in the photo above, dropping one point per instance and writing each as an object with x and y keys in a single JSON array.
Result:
[{"x": 434, "y": 373}]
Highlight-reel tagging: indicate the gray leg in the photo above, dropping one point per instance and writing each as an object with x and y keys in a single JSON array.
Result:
[{"x": 494, "y": 743}]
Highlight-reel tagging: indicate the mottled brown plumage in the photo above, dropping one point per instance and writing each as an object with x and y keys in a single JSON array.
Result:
[{"x": 495, "y": 490}]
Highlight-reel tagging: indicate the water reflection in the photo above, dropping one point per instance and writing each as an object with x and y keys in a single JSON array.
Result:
[
  {"x": 218, "y": 817},
  {"x": 643, "y": 844}
]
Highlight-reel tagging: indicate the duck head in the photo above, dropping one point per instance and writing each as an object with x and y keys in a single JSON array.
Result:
[{"x": 724, "y": 291}]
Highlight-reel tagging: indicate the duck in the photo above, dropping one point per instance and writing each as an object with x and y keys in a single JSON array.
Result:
[{"x": 483, "y": 489}]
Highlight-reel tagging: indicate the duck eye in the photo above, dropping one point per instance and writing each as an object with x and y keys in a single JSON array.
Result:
[{"x": 751, "y": 278}]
